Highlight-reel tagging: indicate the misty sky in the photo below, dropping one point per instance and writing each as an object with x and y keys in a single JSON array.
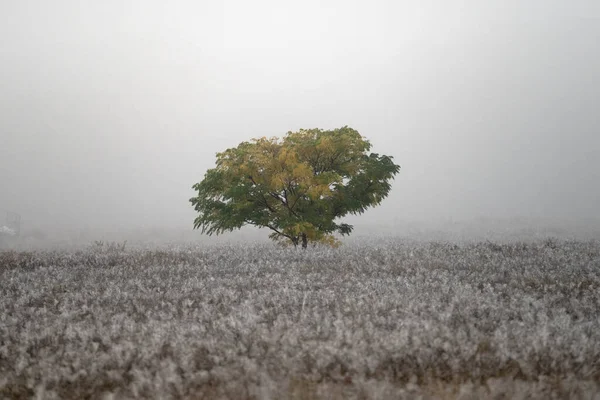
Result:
[{"x": 111, "y": 110}]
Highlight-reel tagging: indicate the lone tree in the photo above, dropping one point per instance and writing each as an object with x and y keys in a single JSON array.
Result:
[{"x": 296, "y": 186}]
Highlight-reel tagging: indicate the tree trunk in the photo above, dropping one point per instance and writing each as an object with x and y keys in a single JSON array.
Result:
[{"x": 304, "y": 241}]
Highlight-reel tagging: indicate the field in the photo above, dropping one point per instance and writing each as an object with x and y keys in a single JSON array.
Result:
[{"x": 378, "y": 319}]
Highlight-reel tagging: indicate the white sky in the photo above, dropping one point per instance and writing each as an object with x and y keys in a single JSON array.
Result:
[{"x": 111, "y": 110}]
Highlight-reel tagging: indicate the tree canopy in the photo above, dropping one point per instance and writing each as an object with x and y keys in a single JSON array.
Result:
[{"x": 297, "y": 186}]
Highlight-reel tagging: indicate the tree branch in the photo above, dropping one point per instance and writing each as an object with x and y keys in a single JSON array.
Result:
[
  {"x": 263, "y": 196},
  {"x": 334, "y": 159},
  {"x": 277, "y": 231},
  {"x": 270, "y": 227},
  {"x": 315, "y": 164},
  {"x": 284, "y": 203}
]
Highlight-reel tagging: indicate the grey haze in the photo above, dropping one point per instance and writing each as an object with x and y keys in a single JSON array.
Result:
[{"x": 110, "y": 111}]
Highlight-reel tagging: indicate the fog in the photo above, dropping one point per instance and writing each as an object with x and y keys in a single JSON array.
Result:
[{"x": 110, "y": 111}]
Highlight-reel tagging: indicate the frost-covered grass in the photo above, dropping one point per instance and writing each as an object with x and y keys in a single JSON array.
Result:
[{"x": 382, "y": 319}]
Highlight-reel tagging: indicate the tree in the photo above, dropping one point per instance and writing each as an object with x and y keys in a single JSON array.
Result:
[{"x": 297, "y": 186}]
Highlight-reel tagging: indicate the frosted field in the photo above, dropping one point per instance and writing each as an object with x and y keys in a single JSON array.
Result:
[{"x": 375, "y": 320}]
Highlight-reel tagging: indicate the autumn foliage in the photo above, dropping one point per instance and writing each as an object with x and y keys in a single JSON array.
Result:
[{"x": 297, "y": 186}]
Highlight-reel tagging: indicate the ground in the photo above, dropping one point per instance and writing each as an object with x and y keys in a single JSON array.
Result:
[{"x": 385, "y": 318}]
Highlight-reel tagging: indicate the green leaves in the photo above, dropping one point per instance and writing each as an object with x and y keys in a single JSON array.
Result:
[{"x": 296, "y": 187}]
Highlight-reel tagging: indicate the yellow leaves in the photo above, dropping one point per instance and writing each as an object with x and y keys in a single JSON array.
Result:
[
  {"x": 283, "y": 155},
  {"x": 313, "y": 192},
  {"x": 312, "y": 234},
  {"x": 243, "y": 169},
  {"x": 269, "y": 162},
  {"x": 304, "y": 163},
  {"x": 278, "y": 182},
  {"x": 331, "y": 241},
  {"x": 317, "y": 191},
  {"x": 301, "y": 172},
  {"x": 325, "y": 144},
  {"x": 287, "y": 156},
  {"x": 300, "y": 227}
]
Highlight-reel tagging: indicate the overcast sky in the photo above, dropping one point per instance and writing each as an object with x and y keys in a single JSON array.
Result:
[{"x": 111, "y": 110}]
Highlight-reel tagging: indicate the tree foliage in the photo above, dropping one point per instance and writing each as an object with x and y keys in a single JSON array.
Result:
[{"x": 297, "y": 186}]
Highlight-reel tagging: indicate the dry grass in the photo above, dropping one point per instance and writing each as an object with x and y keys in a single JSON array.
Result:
[{"x": 386, "y": 319}]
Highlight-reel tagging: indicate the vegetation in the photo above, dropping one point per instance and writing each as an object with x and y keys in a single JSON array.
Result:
[
  {"x": 297, "y": 187},
  {"x": 382, "y": 319}
]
